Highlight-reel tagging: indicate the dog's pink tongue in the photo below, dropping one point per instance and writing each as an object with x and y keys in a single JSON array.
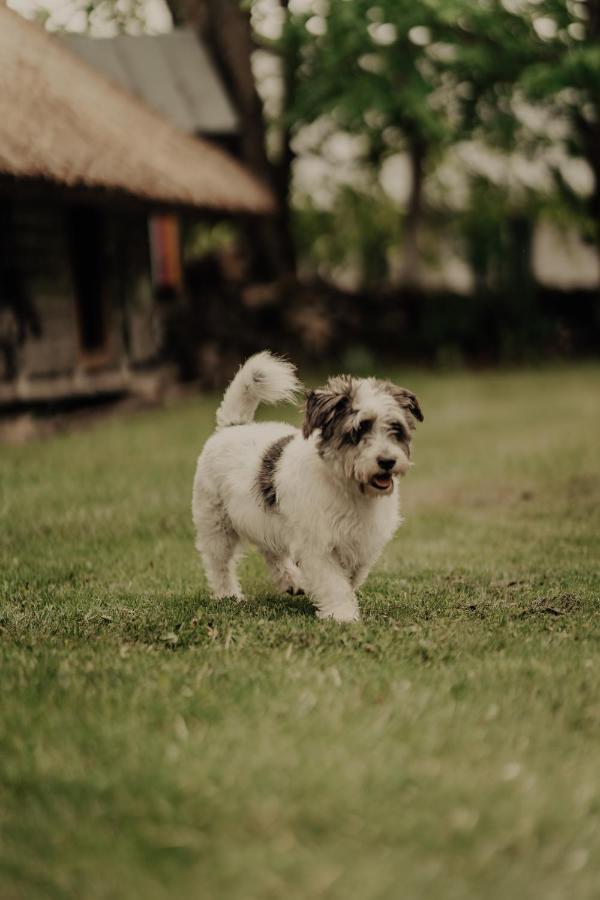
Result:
[{"x": 382, "y": 481}]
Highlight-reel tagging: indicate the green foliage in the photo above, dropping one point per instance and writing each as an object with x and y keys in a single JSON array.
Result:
[
  {"x": 103, "y": 19},
  {"x": 202, "y": 239},
  {"x": 433, "y": 74},
  {"x": 358, "y": 232},
  {"x": 159, "y": 744},
  {"x": 497, "y": 231},
  {"x": 367, "y": 68}
]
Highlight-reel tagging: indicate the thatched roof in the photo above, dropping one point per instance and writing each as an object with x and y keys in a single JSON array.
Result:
[{"x": 62, "y": 122}]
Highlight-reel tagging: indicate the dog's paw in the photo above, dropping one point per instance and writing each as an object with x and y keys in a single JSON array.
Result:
[
  {"x": 237, "y": 597},
  {"x": 339, "y": 615}
]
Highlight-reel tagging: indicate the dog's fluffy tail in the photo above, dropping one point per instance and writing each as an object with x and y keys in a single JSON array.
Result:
[{"x": 264, "y": 378}]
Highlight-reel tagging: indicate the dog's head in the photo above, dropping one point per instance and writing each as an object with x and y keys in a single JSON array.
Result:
[{"x": 363, "y": 428}]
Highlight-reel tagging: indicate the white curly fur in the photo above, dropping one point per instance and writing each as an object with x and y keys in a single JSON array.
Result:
[
  {"x": 263, "y": 378},
  {"x": 335, "y": 508}
]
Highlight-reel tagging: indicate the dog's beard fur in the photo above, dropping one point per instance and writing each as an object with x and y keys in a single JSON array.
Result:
[{"x": 359, "y": 424}]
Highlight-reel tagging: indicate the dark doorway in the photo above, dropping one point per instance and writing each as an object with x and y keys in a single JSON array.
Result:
[
  {"x": 87, "y": 234},
  {"x": 18, "y": 315}
]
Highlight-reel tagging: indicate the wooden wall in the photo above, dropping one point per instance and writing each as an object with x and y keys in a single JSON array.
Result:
[{"x": 43, "y": 247}]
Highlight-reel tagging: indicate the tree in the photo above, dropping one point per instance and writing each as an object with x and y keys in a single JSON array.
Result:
[
  {"x": 424, "y": 77},
  {"x": 225, "y": 27},
  {"x": 370, "y": 71},
  {"x": 494, "y": 45},
  {"x": 566, "y": 80},
  {"x": 102, "y": 19}
]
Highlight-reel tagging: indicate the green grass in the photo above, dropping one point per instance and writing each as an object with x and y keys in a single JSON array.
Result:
[{"x": 154, "y": 743}]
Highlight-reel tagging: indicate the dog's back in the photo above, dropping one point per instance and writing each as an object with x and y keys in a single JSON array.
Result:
[{"x": 229, "y": 467}]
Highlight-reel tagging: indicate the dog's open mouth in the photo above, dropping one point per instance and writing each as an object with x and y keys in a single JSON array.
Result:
[{"x": 381, "y": 482}]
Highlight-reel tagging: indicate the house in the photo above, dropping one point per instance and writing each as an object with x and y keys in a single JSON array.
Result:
[{"x": 84, "y": 164}]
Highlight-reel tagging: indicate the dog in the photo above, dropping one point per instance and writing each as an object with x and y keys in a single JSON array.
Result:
[{"x": 320, "y": 502}]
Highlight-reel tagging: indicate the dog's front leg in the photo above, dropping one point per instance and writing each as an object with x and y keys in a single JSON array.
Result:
[
  {"x": 359, "y": 576},
  {"x": 329, "y": 588},
  {"x": 361, "y": 571}
]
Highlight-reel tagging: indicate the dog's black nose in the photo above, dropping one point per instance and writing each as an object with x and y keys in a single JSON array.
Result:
[{"x": 385, "y": 464}]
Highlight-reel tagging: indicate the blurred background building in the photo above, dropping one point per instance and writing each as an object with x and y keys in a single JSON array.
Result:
[
  {"x": 84, "y": 169},
  {"x": 433, "y": 175}
]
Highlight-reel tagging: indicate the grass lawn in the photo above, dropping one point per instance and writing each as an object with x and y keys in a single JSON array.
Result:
[{"x": 154, "y": 743}]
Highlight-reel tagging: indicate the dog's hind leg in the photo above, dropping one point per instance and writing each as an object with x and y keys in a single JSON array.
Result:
[
  {"x": 285, "y": 573},
  {"x": 219, "y": 546}
]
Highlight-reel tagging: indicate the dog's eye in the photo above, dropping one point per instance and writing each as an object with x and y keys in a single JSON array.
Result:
[
  {"x": 399, "y": 432},
  {"x": 361, "y": 430}
]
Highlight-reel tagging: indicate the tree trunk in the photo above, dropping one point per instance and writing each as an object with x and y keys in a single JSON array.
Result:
[
  {"x": 414, "y": 213},
  {"x": 590, "y": 131},
  {"x": 590, "y": 134},
  {"x": 290, "y": 65},
  {"x": 225, "y": 29}
]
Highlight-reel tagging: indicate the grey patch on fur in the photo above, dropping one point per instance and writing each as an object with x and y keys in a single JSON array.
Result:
[
  {"x": 402, "y": 435},
  {"x": 328, "y": 408},
  {"x": 407, "y": 400},
  {"x": 268, "y": 468}
]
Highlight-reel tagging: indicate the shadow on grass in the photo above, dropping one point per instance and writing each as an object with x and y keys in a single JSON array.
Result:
[
  {"x": 425, "y": 613},
  {"x": 169, "y": 620}
]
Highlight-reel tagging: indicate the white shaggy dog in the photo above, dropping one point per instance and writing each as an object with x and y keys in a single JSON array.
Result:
[{"x": 321, "y": 503}]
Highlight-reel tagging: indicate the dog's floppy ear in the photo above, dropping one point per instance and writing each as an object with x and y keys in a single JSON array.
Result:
[
  {"x": 326, "y": 407},
  {"x": 407, "y": 400}
]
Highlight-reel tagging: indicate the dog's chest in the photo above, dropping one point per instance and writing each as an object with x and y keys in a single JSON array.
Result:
[{"x": 361, "y": 533}]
